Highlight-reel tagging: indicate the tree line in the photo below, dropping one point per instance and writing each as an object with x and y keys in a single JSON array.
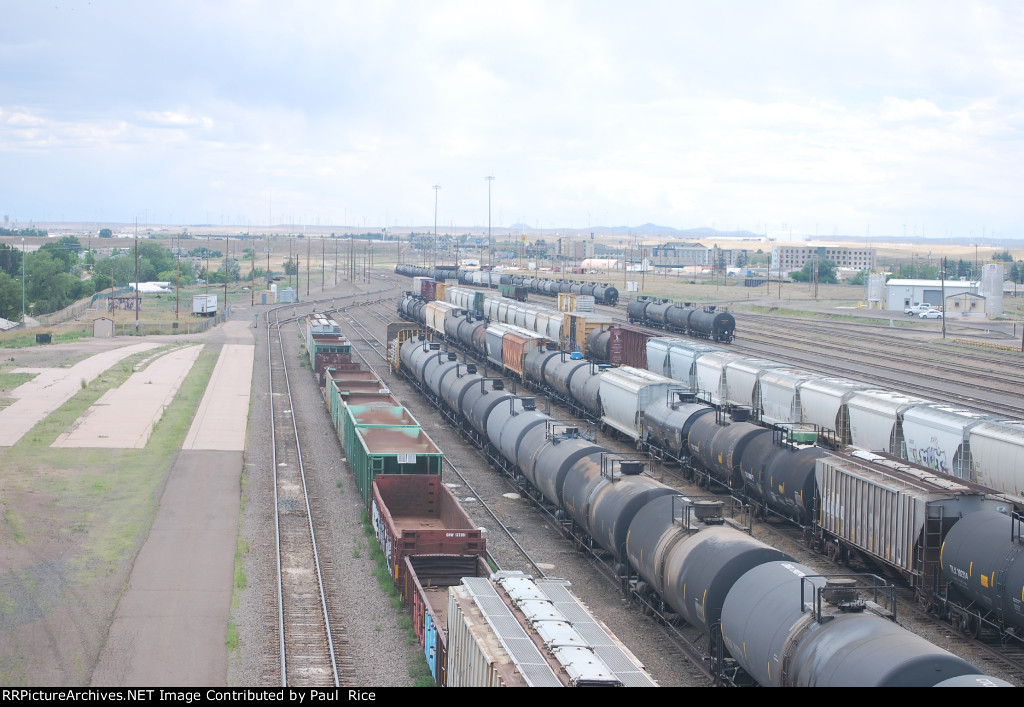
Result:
[{"x": 62, "y": 272}]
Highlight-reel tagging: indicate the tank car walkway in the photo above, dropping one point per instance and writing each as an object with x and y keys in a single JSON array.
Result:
[{"x": 170, "y": 627}]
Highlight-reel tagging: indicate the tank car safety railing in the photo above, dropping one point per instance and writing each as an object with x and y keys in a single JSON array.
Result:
[
  {"x": 681, "y": 394},
  {"x": 844, "y": 591},
  {"x": 559, "y": 430},
  {"x": 625, "y": 464}
]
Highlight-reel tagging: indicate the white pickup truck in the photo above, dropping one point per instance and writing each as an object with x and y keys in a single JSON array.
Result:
[{"x": 917, "y": 309}]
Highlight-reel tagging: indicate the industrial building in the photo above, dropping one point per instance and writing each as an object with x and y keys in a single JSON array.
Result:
[{"x": 789, "y": 258}]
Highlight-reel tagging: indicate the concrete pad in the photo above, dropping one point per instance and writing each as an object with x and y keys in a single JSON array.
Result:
[
  {"x": 220, "y": 423},
  {"x": 170, "y": 626},
  {"x": 175, "y": 644},
  {"x": 237, "y": 332},
  {"x": 52, "y": 388},
  {"x": 123, "y": 418}
]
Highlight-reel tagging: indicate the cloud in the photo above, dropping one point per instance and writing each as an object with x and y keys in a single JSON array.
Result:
[{"x": 681, "y": 113}]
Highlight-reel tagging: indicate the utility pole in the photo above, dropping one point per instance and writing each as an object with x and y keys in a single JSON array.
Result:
[
  {"x": 942, "y": 282},
  {"x": 437, "y": 188},
  {"x": 308, "y": 245},
  {"x": 136, "y": 277},
  {"x": 227, "y": 250},
  {"x": 323, "y": 264},
  {"x": 252, "y": 267},
  {"x": 489, "y": 179},
  {"x": 24, "y": 321}
]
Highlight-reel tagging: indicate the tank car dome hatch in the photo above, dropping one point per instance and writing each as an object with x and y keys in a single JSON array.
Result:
[
  {"x": 709, "y": 511},
  {"x": 842, "y": 592},
  {"x": 631, "y": 468},
  {"x": 740, "y": 414}
]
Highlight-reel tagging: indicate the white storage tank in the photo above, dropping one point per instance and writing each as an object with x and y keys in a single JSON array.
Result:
[{"x": 992, "y": 288}]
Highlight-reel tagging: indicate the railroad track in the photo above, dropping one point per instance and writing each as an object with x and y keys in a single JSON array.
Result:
[
  {"x": 368, "y": 340},
  {"x": 688, "y": 645},
  {"x": 308, "y": 649}
]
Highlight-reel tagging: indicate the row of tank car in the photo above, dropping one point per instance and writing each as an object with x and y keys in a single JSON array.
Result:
[
  {"x": 463, "y": 613},
  {"x": 603, "y": 293},
  {"x": 705, "y": 322},
  {"x": 783, "y": 471},
  {"x": 780, "y": 622},
  {"x": 780, "y": 466}
]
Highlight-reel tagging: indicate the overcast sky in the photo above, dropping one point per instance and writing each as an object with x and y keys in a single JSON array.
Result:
[{"x": 859, "y": 118}]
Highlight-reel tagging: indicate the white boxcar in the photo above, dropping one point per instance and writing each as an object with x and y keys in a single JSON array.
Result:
[
  {"x": 710, "y": 378},
  {"x": 997, "y": 448},
  {"x": 823, "y": 403},
  {"x": 876, "y": 418},
  {"x": 626, "y": 392},
  {"x": 742, "y": 381},
  {"x": 674, "y": 357},
  {"x": 780, "y": 394},
  {"x": 937, "y": 436}
]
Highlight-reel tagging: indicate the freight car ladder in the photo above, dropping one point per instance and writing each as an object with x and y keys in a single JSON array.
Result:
[{"x": 929, "y": 553}]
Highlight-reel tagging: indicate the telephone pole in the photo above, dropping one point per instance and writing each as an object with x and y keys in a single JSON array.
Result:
[
  {"x": 437, "y": 188},
  {"x": 489, "y": 179}
]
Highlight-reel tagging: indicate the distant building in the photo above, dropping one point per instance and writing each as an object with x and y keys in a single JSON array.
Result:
[
  {"x": 789, "y": 258},
  {"x": 575, "y": 248},
  {"x": 102, "y": 327},
  {"x": 695, "y": 255},
  {"x": 601, "y": 264},
  {"x": 901, "y": 293}
]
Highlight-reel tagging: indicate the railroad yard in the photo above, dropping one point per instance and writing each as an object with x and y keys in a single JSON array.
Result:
[
  {"x": 369, "y": 640},
  {"x": 521, "y": 537}
]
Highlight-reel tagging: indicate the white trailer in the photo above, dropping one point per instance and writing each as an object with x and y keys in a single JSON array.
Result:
[{"x": 204, "y": 305}]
